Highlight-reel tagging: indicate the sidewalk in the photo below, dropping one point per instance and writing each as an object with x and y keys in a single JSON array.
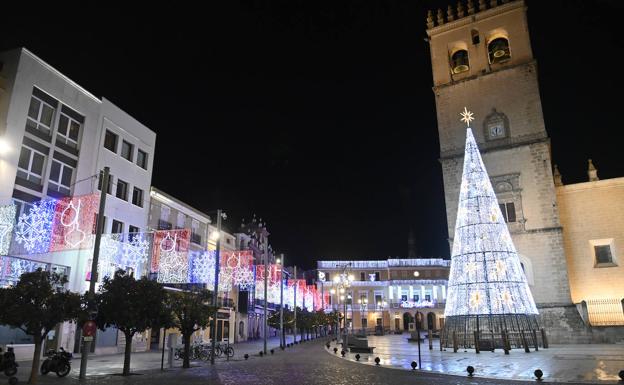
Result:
[{"x": 148, "y": 361}]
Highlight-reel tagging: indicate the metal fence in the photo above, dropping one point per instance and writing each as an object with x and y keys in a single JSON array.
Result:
[{"x": 605, "y": 312}]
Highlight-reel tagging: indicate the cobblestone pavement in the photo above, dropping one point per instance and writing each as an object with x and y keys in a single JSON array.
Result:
[{"x": 304, "y": 364}]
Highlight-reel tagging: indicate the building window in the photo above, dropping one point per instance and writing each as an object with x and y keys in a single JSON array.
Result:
[
  {"x": 181, "y": 220},
  {"x": 117, "y": 227},
  {"x": 110, "y": 141},
  {"x": 109, "y": 186},
  {"x": 40, "y": 115},
  {"x": 68, "y": 130},
  {"x": 195, "y": 236},
  {"x": 498, "y": 50},
  {"x": 122, "y": 190},
  {"x": 30, "y": 165},
  {"x": 142, "y": 159},
  {"x": 459, "y": 61},
  {"x": 127, "y": 150},
  {"x": 604, "y": 252},
  {"x": 133, "y": 229},
  {"x": 509, "y": 211},
  {"x": 362, "y": 276},
  {"x": 378, "y": 299},
  {"x": 60, "y": 177},
  {"x": 377, "y": 276},
  {"x": 137, "y": 197}
]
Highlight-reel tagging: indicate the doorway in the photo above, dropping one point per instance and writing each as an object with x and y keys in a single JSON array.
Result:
[
  {"x": 431, "y": 318},
  {"x": 407, "y": 319}
]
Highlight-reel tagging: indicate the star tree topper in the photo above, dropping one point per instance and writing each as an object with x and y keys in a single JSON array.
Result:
[{"x": 466, "y": 116}]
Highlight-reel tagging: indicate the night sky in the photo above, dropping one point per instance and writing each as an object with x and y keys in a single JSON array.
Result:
[{"x": 320, "y": 119}]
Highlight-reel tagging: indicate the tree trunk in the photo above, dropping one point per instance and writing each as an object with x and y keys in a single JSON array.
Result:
[
  {"x": 187, "y": 351},
  {"x": 34, "y": 371},
  {"x": 127, "y": 352}
]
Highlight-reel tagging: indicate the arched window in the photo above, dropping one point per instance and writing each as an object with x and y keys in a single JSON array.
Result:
[
  {"x": 459, "y": 61},
  {"x": 498, "y": 50}
]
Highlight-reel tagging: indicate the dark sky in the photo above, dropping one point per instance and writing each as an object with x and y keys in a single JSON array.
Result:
[{"x": 320, "y": 118}]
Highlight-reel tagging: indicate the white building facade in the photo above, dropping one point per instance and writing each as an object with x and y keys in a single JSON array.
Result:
[{"x": 55, "y": 138}]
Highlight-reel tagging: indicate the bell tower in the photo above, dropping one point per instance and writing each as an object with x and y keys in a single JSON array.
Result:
[{"x": 481, "y": 58}]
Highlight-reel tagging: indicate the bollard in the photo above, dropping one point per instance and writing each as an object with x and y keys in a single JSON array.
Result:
[
  {"x": 544, "y": 339},
  {"x": 505, "y": 341},
  {"x": 430, "y": 339},
  {"x": 535, "y": 339},
  {"x": 525, "y": 344}
]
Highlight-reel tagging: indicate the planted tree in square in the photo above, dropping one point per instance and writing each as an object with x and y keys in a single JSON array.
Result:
[
  {"x": 132, "y": 306},
  {"x": 36, "y": 304},
  {"x": 191, "y": 312}
]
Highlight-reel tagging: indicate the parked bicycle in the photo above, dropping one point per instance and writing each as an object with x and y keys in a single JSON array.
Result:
[
  {"x": 7, "y": 362},
  {"x": 57, "y": 362},
  {"x": 227, "y": 349}
]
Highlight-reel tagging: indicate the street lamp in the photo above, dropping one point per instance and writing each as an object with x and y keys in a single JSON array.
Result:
[
  {"x": 217, "y": 238},
  {"x": 4, "y": 146},
  {"x": 342, "y": 282}
]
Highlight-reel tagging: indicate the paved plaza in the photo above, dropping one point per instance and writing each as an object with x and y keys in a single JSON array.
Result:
[
  {"x": 598, "y": 363},
  {"x": 307, "y": 363}
]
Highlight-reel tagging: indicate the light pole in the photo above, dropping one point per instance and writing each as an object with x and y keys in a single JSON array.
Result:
[
  {"x": 86, "y": 341},
  {"x": 280, "y": 261},
  {"x": 266, "y": 300},
  {"x": 295, "y": 287},
  {"x": 213, "y": 331},
  {"x": 342, "y": 282}
]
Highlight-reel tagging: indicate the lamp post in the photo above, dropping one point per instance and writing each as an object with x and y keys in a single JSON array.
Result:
[
  {"x": 213, "y": 331},
  {"x": 280, "y": 261},
  {"x": 266, "y": 293},
  {"x": 342, "y": 282},
  {"x": 99, "y": 229}
]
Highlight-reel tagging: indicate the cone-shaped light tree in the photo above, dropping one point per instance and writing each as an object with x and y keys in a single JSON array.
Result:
[{"x": 487, "y": 288}]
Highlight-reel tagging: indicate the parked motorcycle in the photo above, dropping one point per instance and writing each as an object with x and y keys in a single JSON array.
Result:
[
  {"x": 7, "y": 362},
  {"x": 58, "y": 362}
]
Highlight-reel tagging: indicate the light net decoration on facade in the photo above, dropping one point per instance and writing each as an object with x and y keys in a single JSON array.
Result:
[
  {"x": 74, "y": 222},
  {"x": 135, "y": 252},
  {"x": 109, "y": 258},
  {"x": 171, "y": 252},
  {"x": 34, "y": 228},
  {"x": 7, "y": 221},
  {"x": 489, "y": 300}
]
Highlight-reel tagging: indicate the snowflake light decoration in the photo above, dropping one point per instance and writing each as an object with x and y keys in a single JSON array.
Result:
[
  {"x": 18, "y": 266},
  {"x": 135, "y": 252},
  {"x": 34, "y": 228},
  {"x": 203, "y": 267},
  {"x": 108, "y": 261},
  {"x": 244, "y": 278},
  {"x": 7, "y": 220}
]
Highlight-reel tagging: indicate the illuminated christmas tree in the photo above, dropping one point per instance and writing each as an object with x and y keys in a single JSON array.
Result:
[{"x": 487, "y": 289}]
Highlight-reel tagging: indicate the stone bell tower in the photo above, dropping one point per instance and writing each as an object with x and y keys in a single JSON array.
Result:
[{"x": 481, "y": 58}]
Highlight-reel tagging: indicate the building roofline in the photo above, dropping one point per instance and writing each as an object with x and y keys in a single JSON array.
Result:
[
  {"x": 177, "y": 204},
  {"x": 384, "y": 264},
  {"x": 60, "y": 74},
  {"x": 477, "y": 16},
  {"x": 598, "y": 184}
]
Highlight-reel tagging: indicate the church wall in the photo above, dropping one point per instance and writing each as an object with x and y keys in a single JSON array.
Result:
[{"x": 593, "y": 211}]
